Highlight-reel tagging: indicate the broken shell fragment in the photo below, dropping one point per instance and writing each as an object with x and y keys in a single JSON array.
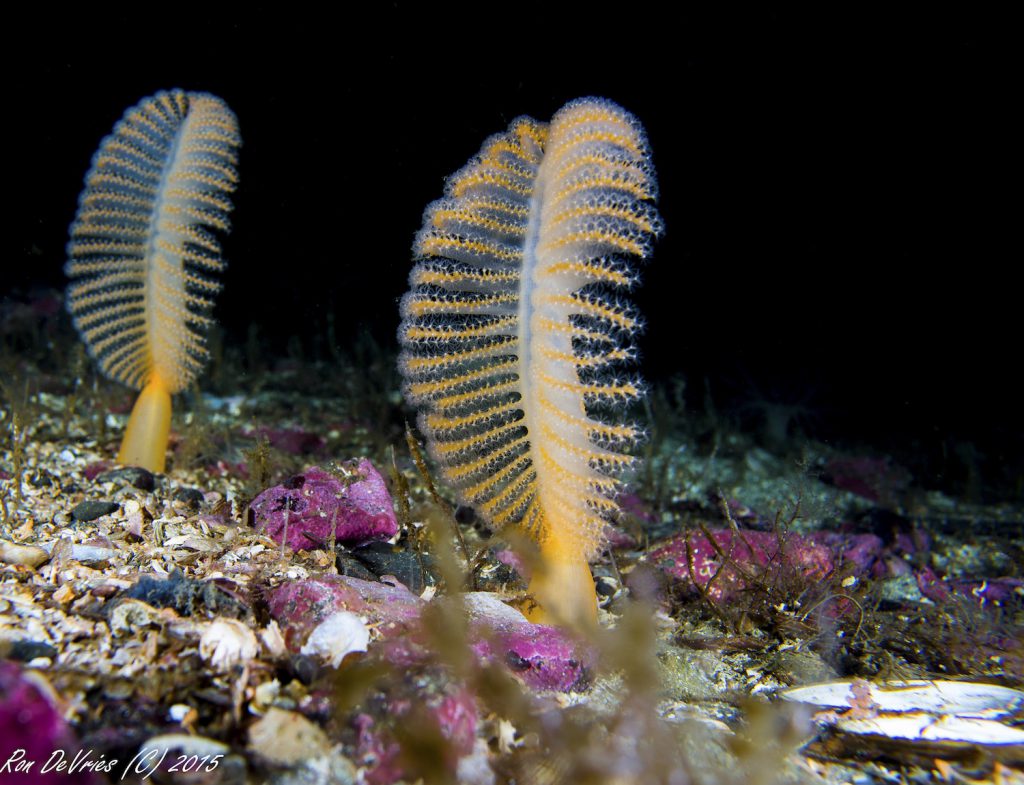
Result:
[
  {"x": 950, "y": 713},
  {"x": 27, "y": 555},
  {"x": 287, "y": 738},
  {"x": 961, "y": 698},
  {"x": 923, "y": 726},
  {"x": 226, "y": 643},
  {"x": 339, "y": 634}
]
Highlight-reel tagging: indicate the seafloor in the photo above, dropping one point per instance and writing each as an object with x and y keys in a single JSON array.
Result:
[{"x": 295, "y": 602}]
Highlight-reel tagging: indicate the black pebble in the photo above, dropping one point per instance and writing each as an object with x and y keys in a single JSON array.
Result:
[
  {"x": 90, "y": 511},
  {"x": 42, "y": 479},
  {"x": 380, "y": 558},
  {"x": 606, "y": 587},
  {"x": 135, "y": 476},
  {"x": 352, "y": 568},
  {"x": 24, "y": 651},
  {"x": 190, "y": 496},
  {"x": 175, "y": 591},
  {"x": 305, "y": 668}
]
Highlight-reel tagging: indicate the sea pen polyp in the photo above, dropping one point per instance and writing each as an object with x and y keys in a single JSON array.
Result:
[
  {"x": 514, "y": 335},
  {"x": 144, "y": 249}
]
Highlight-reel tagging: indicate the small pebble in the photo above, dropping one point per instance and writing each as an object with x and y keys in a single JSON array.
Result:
[
  {"x": 91, "y": 510},
  {"x": 178, "y": 712},
  {"x": 190, "y": 496},
  {"x": 25, "y": 651},
  {"x": 305, "y": 668},
  {"x": 135, "y": 476}
]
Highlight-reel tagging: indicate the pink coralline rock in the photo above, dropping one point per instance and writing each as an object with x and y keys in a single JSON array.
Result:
[
  {"x": 994, "y": 592},
  {"x": 299, "y": 606},
  {"x": 912, "y": 542},
  {"x": 864, "y": 550},
  {"x": 545, "y": 658},
  {"x": 32, "y": 729},
  {"x": 455, "y": 715},
  {"x": 377, "y": 752},
  {"x": 619, "y": 540},
  {"x": 632, "y": 504},
  {"x": 991, "y": 592},
  {"x": 95, "y": 469},
  {"x": 312, "y": 502},
  {"x": 294, "y": 441},
  {"x": 877, "y": 479},
  {"x": 754, "y": 553},
  {"x": 510, "y": 559}
]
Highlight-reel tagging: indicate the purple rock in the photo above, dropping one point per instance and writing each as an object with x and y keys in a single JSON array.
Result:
[
  {"x": 892, "y": 566},
  {"x": 294, "y": 441},
  {"x": 877, "y": 479},
  {"x": 33, "y": 730},
  {"x": 633, "y": 505},
  {"x": 510, "y": 559},
  {"x": 931, "y": 585},
  {"x": 912, "y": 542},
  {"x": 994, "y": 592},
  {"x": 311, "y": 503},
  {"x": 457, "y": 718},
  {"x": 545, "y": 658},
  {"x": 300, "y": 606},
  {"x": 377, "y": 752},
  {"x": 454, "y": 714},
  {"x": 755, "y": 553},
  {"x": 617, "y": 539},
  {"x": 863, "y": 550}
]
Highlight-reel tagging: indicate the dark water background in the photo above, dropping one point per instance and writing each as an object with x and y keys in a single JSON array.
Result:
[{"x": 835, "y": 190}]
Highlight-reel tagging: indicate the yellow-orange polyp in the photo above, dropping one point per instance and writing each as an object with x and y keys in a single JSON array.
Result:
[{"x": 149, "y": 427}]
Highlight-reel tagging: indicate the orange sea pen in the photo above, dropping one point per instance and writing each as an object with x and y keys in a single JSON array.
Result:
[
  {"x": 143, "y": 250},
  {"x": 513, "y": 333}
]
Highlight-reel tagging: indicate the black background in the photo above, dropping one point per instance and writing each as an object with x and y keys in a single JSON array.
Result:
[{"x": 836, "y": 189}]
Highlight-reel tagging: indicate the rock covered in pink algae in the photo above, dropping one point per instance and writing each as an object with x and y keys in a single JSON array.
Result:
[
  {"x": 294, "y": 441},
  {"x": 299, "y": 606},
  {"x": 752, "y": 552},
  {"x": 32, "y": 729},
  {"x": 545, "y": 658},
  {"x": 877, "y": 479},
  {"x": 311, "y": 503},
  {"x": 994, "y": 592},
  {"x": 863, "y": 550},
  {"x": 453, "y": 713}
]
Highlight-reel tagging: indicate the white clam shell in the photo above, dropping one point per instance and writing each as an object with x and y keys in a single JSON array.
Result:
[
  {"x": 962, "y": 698},
  {"x": 921, "y": 726},
  {"x": 957, "y": 712}
]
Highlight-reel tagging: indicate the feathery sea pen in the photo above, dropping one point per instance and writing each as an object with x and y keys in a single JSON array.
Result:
[
  {"x": 514, "y": 336},
  {"x": 143, "y": 251}
]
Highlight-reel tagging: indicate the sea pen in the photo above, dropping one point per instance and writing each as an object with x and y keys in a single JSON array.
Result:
[
  {"x": 144, "y": 249},
  {"x": 514, "y": 335}
]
